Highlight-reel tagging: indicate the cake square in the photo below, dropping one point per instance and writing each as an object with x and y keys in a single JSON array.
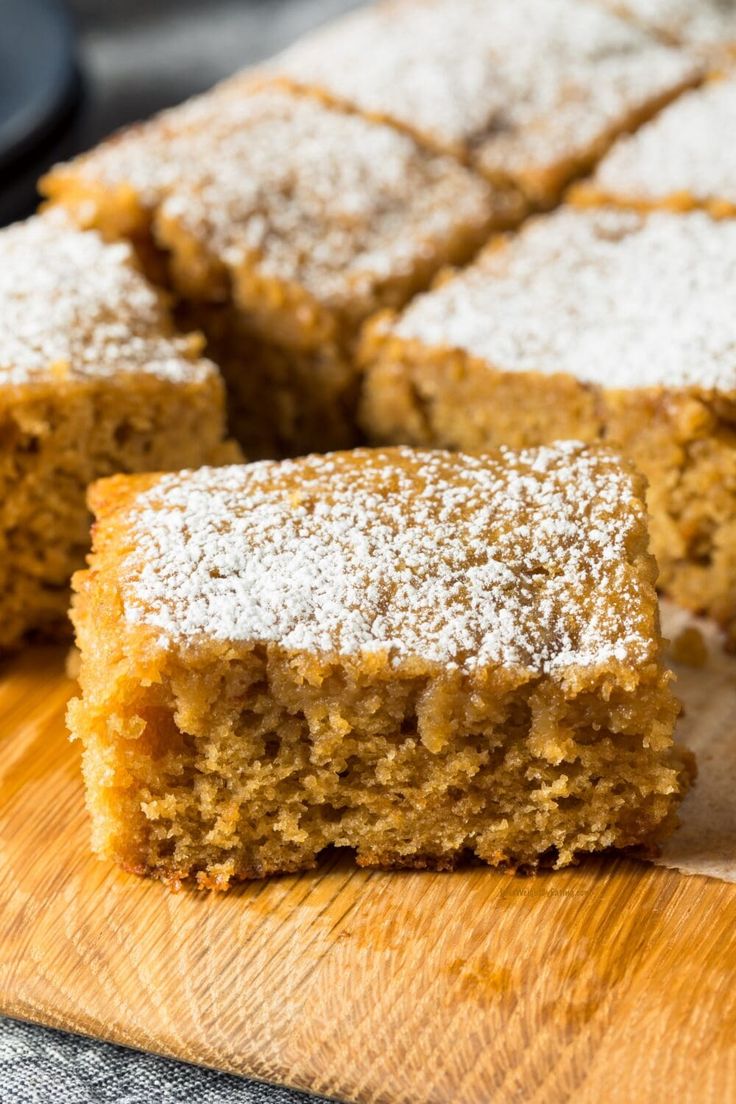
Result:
[
  {"x": 682, "y": 160},
  {"x": 531, "y": 91},
  {"x": 707, "y": 27},
  {"x": 412, "y": 654},
  {"x": 282, "y": 223},
  {"x": 93, "y": 381},
  {"x": 603, "y": 325}
]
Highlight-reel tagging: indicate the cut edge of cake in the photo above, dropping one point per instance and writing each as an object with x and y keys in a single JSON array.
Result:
[{"x": 219, "y": 759}]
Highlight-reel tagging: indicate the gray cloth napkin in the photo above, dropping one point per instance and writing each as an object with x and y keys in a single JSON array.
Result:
[
  {"x": 39, "y": 1066},
  {"x": 139, "y": 56}
]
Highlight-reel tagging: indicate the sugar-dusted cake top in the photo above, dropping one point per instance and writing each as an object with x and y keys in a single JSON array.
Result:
[
  {"x": 516, "y": 82},
  {"x": 689, "y": 148},
  {"x": 527, "y": 560},
  {"x": 703, "y": 24},
  {"x": 303, "y": 193},
  {"x": 72, "y": 305},
  {"x": 610, "y": 297}
]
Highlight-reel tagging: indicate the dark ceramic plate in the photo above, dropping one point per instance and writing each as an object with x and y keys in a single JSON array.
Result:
[
  {"x": 39, "y": 84},
  {"x": 38, "y": 73}
]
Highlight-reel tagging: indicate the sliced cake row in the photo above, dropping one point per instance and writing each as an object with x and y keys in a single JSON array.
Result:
[
  {"x": 604, "y": 326},
  {"x": 414, "y": 654},
  {"x": 596, "y": 325}
]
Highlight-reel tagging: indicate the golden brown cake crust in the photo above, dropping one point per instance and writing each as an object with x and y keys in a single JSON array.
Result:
[{"x": 416, "y": 655}]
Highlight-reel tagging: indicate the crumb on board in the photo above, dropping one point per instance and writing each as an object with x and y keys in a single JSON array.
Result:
[
  {"x": 689, "y": 648},
  {"x": 72, "y": 663}
]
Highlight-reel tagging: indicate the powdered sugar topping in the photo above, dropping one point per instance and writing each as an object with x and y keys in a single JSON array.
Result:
[
  {"x": 72, "y": 305},
  {"x": 689, "y": 148},
  {"x": 705, "y": 25},
  {"x": 302, "y": 193},
  {"x": 326, "y": 199},
  {"x": 514, "y": 81},
  {"x": 524, "y": 560},
  {"x": 608, "y": 297}
]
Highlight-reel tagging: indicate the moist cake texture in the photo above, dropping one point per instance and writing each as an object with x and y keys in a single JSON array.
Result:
[
  {"x": 602, "y": 325},
  {"x": 93, "y": 380},
  {"x": 412, "y": 654},
  {"x": 685, "y": 158},
  {"x": 532, "y": 91},
  {"x": 282, "y": 224}
]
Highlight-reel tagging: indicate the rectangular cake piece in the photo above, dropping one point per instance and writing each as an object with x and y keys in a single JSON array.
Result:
[
  {"x": 412, "y": 654},
  {"x": 92, "y": 381},
  {"x": 682, "y": 160},
  {"x": 280, "y": 224},
  {"x": 706, "y": 27},
  {"x": 531, "y": 91},
  {"x": 602, "y": 325}
]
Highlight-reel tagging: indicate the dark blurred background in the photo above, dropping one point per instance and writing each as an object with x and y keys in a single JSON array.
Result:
[
  {"x": 142, "y": 55},
  {"x": 135, "y": 57}
]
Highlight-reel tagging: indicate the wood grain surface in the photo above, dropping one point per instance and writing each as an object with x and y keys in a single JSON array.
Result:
[{"x": 610, "y": 982}]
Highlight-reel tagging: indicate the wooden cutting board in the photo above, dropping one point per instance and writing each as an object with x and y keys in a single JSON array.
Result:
[{"x": 610, "y": 982}]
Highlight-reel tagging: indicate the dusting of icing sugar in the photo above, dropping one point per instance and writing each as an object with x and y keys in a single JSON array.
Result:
[
  {"x": 689, "y": 147},
  {"x": 151, "y": 156},
  {"x": 304, "y": 193},
  {"x": 702, "y": 24},
  {"x": 609, "y": 297},
  {"x": 517, "y": 82},
  {"x": 327, "y": 199},
  {"x": 72, "y": 305},
  {"x": 520, "y": 560}
]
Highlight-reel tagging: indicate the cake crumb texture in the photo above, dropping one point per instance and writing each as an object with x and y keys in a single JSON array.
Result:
[
  {"x": 282, "y": 224},
  {"x": 93, "y": 380},
  {"x": 413, "y": 654}
]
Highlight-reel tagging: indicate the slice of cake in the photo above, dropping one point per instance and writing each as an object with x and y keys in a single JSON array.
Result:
[
  {"x": 532, "y": 91},
  {"x": 598, "y": 325},
  {"x": 281, "y": 224},
  {"x": 707, "y": 27},
  {"x": 92, "y": 381},
  {"x": 683, "y": 159},
  {"x": 415, "y": 655}
]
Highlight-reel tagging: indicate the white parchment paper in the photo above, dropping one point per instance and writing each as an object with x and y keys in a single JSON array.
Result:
[{"x": 705, "y": 843}]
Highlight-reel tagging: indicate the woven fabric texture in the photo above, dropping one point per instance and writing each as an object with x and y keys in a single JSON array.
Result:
[{"x": 40, "y": 1066}]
